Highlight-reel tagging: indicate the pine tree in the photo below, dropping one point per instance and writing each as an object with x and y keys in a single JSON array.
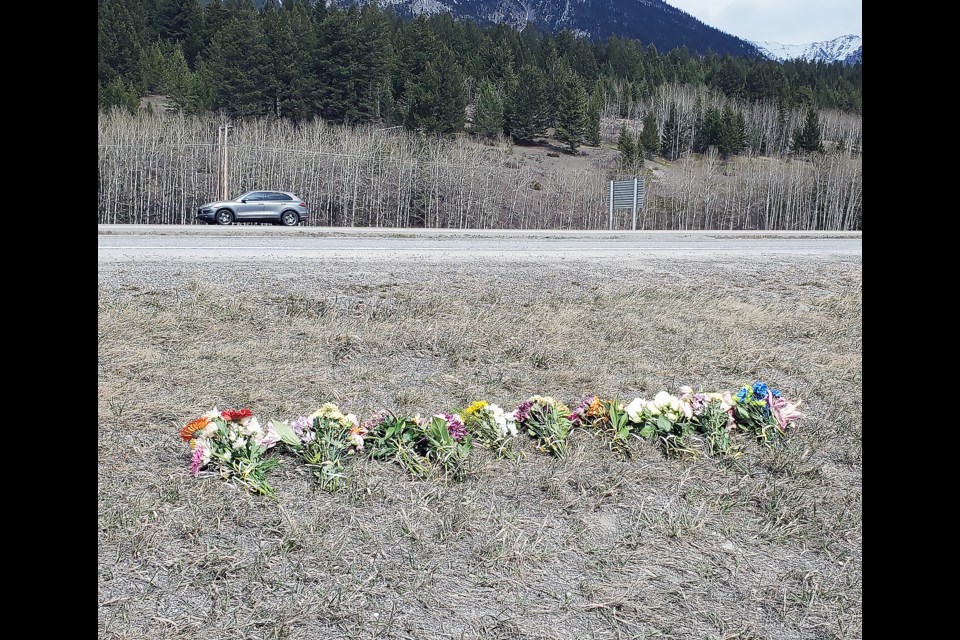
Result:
[
  {"x": 293, "y": 40},
  {"x": 188, "y": 91},
  {"x": 118, "y": 93},
  {"x": 650, "y": 135},
  {"x": 711, "y": 130},
  {"x": 153, "y": 61},
  {"x": 571, "y": 114},
  {"x": 180, "y": 22},
  {"x": 631, "y": 153},
  {"x": 436, "y": 101},
  {"x": 453, "y": 94},
  {"x": 696, "y": 135},
  {"x": 488, "y": 118},
  {"x": 239, "y": 64},
  {"x": 676, "y": 134},
  {"x": 732, "y": 132},
  {"x": 594, "y": 108},
  {"x": 118, "y": 46},
  {"x": 350, "y": 65},
  {"x": 808, "y": 138},
  {"x": 527, "y": 114}
]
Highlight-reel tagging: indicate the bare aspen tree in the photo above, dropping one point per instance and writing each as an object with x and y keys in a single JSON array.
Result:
[{"x": 159, "y": 168}]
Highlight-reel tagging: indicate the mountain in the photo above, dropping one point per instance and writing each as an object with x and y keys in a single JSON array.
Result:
[
  {"x": 846, "y": 49},
  {"x": 650, "y": 21}
]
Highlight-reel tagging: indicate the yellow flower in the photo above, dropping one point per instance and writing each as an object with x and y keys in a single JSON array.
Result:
[{"x": 476, "y": 407}]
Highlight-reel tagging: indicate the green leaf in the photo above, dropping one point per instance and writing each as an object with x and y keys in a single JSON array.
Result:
[
  {"x": 646, "y": 432},
  {"x": 286, "y": 433},
  {"x": 663, "y": 424}
]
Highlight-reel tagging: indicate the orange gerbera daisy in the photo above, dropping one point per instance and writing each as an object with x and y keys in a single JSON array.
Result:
[
  {"x": 596, "y": 408},
  {"x": 193, "y": 426}
]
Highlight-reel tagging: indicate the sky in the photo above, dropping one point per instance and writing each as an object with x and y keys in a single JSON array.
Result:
[{"x": 784, "y": 21}]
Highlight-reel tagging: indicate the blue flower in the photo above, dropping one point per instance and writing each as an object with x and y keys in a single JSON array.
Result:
[
  {"x": 759, "y": 390},
  {"x": 742, "y": 394},
  {"x": 775, "y": 392}
]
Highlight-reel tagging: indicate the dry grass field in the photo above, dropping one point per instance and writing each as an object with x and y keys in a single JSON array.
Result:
[{"x": 594, "y": 546}]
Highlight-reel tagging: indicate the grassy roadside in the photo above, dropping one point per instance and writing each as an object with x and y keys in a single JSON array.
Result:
[{"x": 592, "y": 547}]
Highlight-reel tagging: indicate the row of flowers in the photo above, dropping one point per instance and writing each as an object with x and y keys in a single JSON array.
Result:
[{"x": 240, "y": 447}]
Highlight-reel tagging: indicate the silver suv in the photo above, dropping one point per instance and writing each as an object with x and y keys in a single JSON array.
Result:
[{"x": 278, "y": 207}]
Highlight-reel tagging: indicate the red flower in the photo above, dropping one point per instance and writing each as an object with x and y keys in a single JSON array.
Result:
[{"x": 235, "y": 416}]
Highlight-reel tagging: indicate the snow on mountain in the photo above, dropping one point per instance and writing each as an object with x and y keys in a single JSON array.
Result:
[
  {"x": 847, "y": 49},
  {"x": 650, "y": 21}
]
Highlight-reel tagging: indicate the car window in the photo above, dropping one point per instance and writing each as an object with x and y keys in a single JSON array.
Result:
[
  {"x": 279, "y": 196},
  {"x": 258, "y": 195}
]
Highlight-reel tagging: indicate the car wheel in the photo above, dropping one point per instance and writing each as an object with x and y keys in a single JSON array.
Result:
[
  {"x": 224, "y": 216},
  {"x": 289, "y": 219}
]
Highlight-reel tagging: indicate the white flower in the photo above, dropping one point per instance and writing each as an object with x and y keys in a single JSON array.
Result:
[
  {"x": 213, "y": 413},
  {"x": 545, "y": 400},
  {"x": 328, "y": 410},
  {"x": 356, "y": 440},
  {"x": 251, "y": 426},
  {"x": 504, "y": 421},
  {"x": 352, "y": 419},
  {"x": 240, "y": 443},
  {"x": 635, "y": 409},
  {"x": 667, "y": 404}
]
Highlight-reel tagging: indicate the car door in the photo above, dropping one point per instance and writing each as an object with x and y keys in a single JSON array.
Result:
[
  {"x": 251, "y": 206},
  {"x": 278, "y": 203},
  {"x": 273, "y": 206}
]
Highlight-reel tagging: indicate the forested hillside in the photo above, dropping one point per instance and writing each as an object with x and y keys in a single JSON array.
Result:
[
  {"x": 378, "y": 120},
  {"x": 357, "y": 65}
]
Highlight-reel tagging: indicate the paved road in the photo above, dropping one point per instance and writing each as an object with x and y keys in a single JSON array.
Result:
[{"x": 119, "y": 243}]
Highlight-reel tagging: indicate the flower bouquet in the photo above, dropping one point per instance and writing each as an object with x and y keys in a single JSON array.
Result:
[
  {"x": 548, "y": 421},
  {"x": 422, "y": 447},
  {"x": 764, "y": 412},
  {"x": 492, "y": 427},
  {"x": 325, "y": 440},
  {"x": 234, "y": 443},
  {"x": 606, "y": 417},
  {"x": 663, "y": 419},
  {"x": 712, "y": 416}
]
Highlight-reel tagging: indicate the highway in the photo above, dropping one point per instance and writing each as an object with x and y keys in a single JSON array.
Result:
[{"x": 120, "y": 243}]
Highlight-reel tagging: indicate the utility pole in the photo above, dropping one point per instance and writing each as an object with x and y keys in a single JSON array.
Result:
[{"x": 223, "y": 161}]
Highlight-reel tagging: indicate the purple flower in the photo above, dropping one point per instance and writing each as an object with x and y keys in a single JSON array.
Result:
[
  {"x": 374, "y": 421},
  {"x": 455, "y": 426},
  {"x": 580, "y": 412},
  {"x": 697, "y": 402},
  {"x": 301, "y": 424},
  {"x": 522, "y": 412}
]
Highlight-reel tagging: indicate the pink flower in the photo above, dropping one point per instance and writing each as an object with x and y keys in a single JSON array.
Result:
[
  {"x": 196, "y": 462},
  {"x": 270, "y": 438},
  {"x": 785, "y": 412},
  {"x": 455, "y": 426}
]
